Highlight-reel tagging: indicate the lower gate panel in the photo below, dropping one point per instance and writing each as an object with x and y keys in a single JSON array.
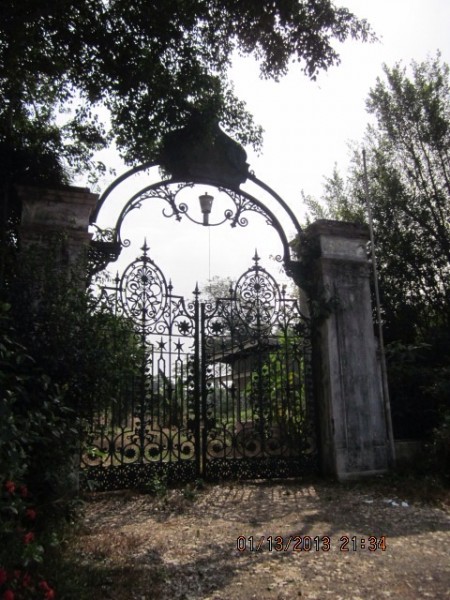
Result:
[
  {"x": 260, "y": 468},
  {"x": 146, "y": 477}
]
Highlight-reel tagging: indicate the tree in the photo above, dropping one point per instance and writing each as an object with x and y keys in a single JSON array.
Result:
[
  {"x": 149, "y": 63},
  {"x": 408, "y": 150},
  {"x": 409, "y": 173},
  {"x": 409, "y": 169},
  {"x": 336, "y": 203},
  {"x": 77, "y": 75}
]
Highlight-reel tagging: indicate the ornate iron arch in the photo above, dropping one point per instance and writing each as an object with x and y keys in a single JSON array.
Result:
[{"x": 209, "y": 157}]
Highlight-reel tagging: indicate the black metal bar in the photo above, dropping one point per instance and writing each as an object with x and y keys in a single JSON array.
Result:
[
  {"x": 197, "y": 388},
  {"x": 203, "y": 391},
  {"x": 114, "y": 184}
]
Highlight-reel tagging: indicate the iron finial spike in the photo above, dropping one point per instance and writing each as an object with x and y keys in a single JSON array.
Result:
[
  {"x": 145, "y": 248},
  {"x": 256, "y": 257},
  {"x": 196, "y": 291}
]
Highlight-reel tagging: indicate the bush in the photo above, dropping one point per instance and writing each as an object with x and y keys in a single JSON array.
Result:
[
  {"x": 439, "y": 448},
  {"x": 37, "y": 434},
  {"x": 419, "y": 385},
  {"x": 60, "y": 357},
  {"x": 38, "y": 431},
  {"x": 21, "y": 555}
]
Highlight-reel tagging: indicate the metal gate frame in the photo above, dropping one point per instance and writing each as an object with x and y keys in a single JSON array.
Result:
[{"x": 225, "y": 392}]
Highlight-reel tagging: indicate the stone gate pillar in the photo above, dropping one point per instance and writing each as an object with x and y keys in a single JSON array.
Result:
[
  {"x": 334, "y": 271},
  {"x": 62, "y": 211}
]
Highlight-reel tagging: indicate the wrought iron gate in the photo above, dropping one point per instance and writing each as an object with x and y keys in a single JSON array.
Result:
[{"x": 220, "y": 389}]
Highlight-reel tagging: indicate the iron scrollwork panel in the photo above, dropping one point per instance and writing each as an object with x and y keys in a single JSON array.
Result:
[
  {"x": 216, "y": 389},
  {"x": 150, "y": 423},
  {"x": 256, "y": 395}
]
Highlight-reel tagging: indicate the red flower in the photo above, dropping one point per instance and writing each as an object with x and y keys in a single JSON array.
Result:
[
  {"x": 30, "y": 513},
  {"x": 49, "y": 592},
  {"x": 28, "y": 537},
  {"x": 17, "y": 573},
  {"x": 23, "y": 491},
  {"x": 3, "y": 576},
  {"x": 10, "y": 486},
  {"x": 8, "y": 595}
]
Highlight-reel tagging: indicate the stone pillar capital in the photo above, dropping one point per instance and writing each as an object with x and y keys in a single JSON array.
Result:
[{"x": 64, "y": 211}]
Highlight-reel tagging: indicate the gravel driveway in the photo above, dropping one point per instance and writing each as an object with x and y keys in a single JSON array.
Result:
[{"x": 279, "y": 540}]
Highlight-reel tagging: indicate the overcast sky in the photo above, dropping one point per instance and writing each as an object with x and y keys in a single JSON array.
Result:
[{"x": 307, "y": 129}]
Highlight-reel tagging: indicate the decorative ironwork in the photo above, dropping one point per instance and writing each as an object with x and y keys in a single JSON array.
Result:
[
  {"x": 103, "y": 249},
  {"x": 168, "y": 192},
  {"x": 257, "y": 298},
  {"x": 223, "y": 387},
  {"x": 144, "y": 291},
  {"x": 107, "y": 244},
  {"x": 258, "y": 408}
]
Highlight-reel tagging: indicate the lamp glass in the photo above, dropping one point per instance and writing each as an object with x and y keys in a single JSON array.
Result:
[{"x": 206, "y": 203}]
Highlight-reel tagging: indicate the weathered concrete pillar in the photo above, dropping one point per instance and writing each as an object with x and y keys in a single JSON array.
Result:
[
  {"x": 334, "y": 272},
  {"x": 63, "y": 211},
  {"x": 60, "y": 215}
]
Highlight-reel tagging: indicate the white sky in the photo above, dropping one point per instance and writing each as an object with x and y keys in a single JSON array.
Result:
[
  {"x": 308, "y": 124},
  {"x": 307, "y": 129}
]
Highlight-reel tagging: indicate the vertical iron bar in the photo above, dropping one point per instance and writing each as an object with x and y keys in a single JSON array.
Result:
[
  {"x": 143, "y": 376},
  {"x": 117, "y": 289},
  {"x": 197, "y": 392},
  {"x": 142, "y": 386},
  {"x": 203, "y": 389},
  {"x": 261, "y": 383}
]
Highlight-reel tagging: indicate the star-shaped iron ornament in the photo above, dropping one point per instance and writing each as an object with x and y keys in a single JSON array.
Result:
[
  {"x": 184, "y": 327},
  {"x": 162, "y": 344},
  {"x": 217, "y": 327}
]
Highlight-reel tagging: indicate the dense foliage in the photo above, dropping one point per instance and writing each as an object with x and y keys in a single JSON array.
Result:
[
  {"x": 409, "y": 173},
  {"x": 408, "y": 150},
  {"x": 57, "y": 348},
  {"x": 38, "y": 437}
]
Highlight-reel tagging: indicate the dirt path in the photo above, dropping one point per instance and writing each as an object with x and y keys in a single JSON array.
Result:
[{"x": 184, "y": 546}]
